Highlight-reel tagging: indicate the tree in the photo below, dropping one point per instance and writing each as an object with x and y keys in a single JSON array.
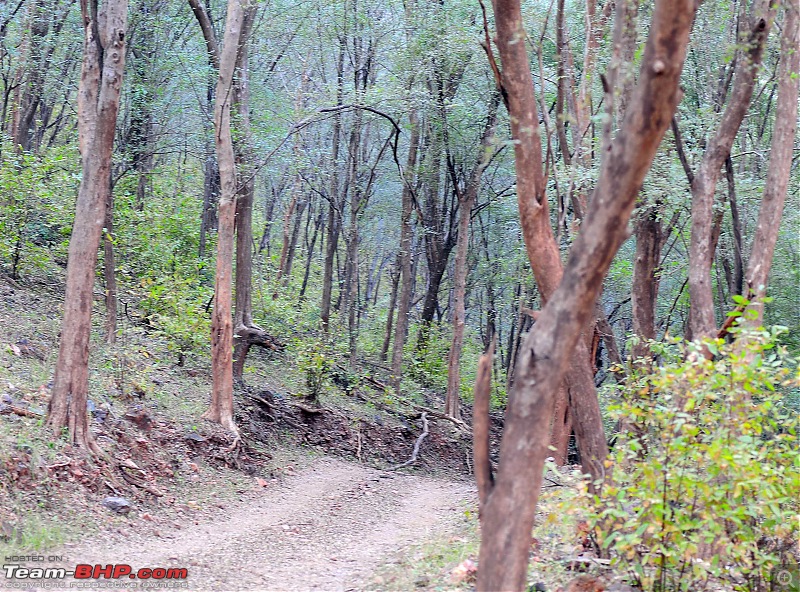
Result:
[
  {"x": 221, "y": 409},
  {"x": 466, "y": 201},
  {"x": 780, "y": 164},
  {"x": 704, "y": 182},
  {"x": 509, "y": 504},
  {"x": 98, "y": 103},
  {"x": 577, "y": 406}
]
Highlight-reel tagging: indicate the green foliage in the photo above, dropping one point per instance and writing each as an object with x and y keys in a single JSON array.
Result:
[
  {"x": 36, "y": 196},
  {"x": 175, "y": 306},
  {"x": 314, "y": 359},
  {"x": 428, "y": 363},
  {"x": 705, "y": 485}
]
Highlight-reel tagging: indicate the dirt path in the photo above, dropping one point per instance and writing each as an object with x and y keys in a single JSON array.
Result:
[{"x": 327, "y": 528}]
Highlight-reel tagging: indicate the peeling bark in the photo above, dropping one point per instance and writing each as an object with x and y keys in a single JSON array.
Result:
[
  {"x": 221, "y": 408},
  {"x": 98, "y": 104}
]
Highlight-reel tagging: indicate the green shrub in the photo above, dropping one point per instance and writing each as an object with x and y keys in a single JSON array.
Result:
[
  {"x": 36, "y": 201},
  {"x": 176, "y": 308},
  {"x": 315, "y": 361},
  {"x": 704, "y": 486}
]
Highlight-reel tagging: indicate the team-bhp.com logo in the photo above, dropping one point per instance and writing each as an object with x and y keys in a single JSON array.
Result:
[{"x": 83, "y": 571}]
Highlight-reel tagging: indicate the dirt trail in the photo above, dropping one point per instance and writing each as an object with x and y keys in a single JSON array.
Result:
[{"x": 327, "y": 528}]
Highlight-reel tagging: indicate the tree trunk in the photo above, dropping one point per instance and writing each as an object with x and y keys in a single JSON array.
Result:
[
  {"x": 298, "y": 220},
  {"x": 98, "y": 103},
  {"x": 243, "y": 154},
  {"x": 211, "y": 174},
  {"x": 317, "y": 225},
  {"x": 406, "y": 274},
  {"x": 334, "y": 213},
  {"x": 701, "y": 253},
  {"x": 221, "y": 408},
  {"x": 387, "y": 338},
  {"x": 545, "y": 259},
  {"x": 296, "y": 186},
  {"x": 644, "y": 292},
  {"x": 780, "y": 164},
  {"x": 466, "y": 200},
  {"x": 509, "y": 506},
  {"x": 109, "y": 267}
]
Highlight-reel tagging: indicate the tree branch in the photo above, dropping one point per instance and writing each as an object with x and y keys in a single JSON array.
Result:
[{"x": 212, "y": 47}]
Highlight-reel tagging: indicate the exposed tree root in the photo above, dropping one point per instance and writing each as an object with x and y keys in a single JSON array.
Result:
[
  {"x": 417, "y": 444},
  {"x": 438, "y": 415}
]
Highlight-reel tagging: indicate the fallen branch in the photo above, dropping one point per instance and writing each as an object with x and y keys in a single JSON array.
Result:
[
  {"x": 6, "y": 409},
  {"x": 139, "y": 482},
  {"x": 260, "y": 400},
  {"x": 307, "y": 409},
  {"x": 440, "y": 415},
  {"x": 417, "y": 444},
  {"x": 59, "y": 465}
]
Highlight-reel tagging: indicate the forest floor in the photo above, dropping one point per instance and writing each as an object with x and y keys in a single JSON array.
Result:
[
  {"x": 310, "y": 499},
  {"x": 332, "y": 525}
]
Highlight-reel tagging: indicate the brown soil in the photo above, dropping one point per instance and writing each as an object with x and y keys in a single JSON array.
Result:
[{"x": 329, "y": 527}]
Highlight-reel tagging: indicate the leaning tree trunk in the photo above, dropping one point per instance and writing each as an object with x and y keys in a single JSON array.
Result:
[
  {"x": 578, "y": 406},
  {"x": 701, "y": 253},
  {"x": 509, "y": 504},
  {"x": 780, "y": 165},
  {"x": 221, "y": 409},
  {"x": 98, "y": 103}
]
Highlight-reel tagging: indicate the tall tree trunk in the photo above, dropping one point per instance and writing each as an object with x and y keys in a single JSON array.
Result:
[
  {"x": 737, "y": 285},
  {"x": 221, "y": 408},
  {"x": 298, "y": 220},
  {"x": 211, "y": 174},
  {"x": 387, "y": 338},
  {"x": 545, "y": 259},
  {"x": 98, "y": 104},
  {"x": 701, "y": 253},
  {"x": 509, "y": 505},
  {"x": 296, "y": 185},
  {"x": 466, "y": 200},
  {"x": 644, "y": 292},
  {"x": 243, "y": 308},
  {"x": 334, "y": 212},
  {"x": 406, "y": 270},
  {"x": 317, "y": 225},
  {"x": 109, "y": 267},
  {"x": 780, "y": 165},
  {"x": 211, "y": 189}
]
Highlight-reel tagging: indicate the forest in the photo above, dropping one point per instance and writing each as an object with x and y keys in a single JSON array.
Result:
[{"x": 516, "y": 284}]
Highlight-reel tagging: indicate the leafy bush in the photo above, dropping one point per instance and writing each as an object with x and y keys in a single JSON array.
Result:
[
  {"x": 315, "y": 361},
  {"x": 176, "y": 308},
  {"x": 704, "y": 488},
  {"x": 36, "y": 201}
]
